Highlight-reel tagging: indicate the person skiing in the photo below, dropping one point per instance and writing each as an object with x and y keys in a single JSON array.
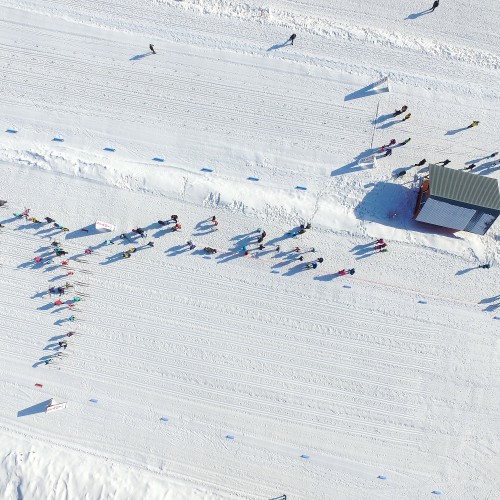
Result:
[
  {"x": 277, "y": 249},
  {"x": 379, "y": 247},
  {"x": 400, "y": 111},
  {"x": 150, "y": 244},
  {"x": 320, "y": 260},
  {"x": 49, "y": 220},
  {"x": 61, "y": 290},
  {"x": 71, "y": 318},
  {"x": 434, "y": 5},
  {"x": 444, "y": 163},
  {"x": 190, "y": 245},
  {"x": 484, "y": 266},
  {"x": 126, "y": 255},
  {"x": 475, "y": 123},
  {"x": 388, "y": 152},
  {"x": 151, "y": 48},
  {"x": 301, "y": 258},
  {"x": 132, "y": 250},
  {"x": 492, "y": 155},
  {"x": 420, "y": 163},
  {"x": 58, "y": 302},
  {"x": 37, "y": 259},
  {"x": 308, "y": 225},
  {"x": 391, "y": 143},
  {"x": 405, "y": 142},
  {"x": 108, "y": 242},
  {"x": 292, "y": 38},
  {"x": 174, "y": 218},
  {"x": 297, "y": 249},
  {"x": 407, "y": 117},
  {"x": 302, "y": 230},
  {"x": 261, "y": 247},
  {"x": 3, "y": 202},
  {"x": 470, "y": 167},
  {"x": 63, "y": 344},
  {"x": 214, "y": 221},
  {"x": 88, "y": 251},
  {"x": 311, "y": 265}
]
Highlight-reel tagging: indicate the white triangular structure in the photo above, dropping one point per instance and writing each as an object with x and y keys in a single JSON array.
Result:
[
  {"x": 103, "y": 226},
  {"x": 367, "y": 162},
  {"x": 383, "y": 85}
]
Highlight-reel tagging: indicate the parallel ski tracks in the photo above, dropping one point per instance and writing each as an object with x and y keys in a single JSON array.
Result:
[{"x": 96, "y": 373}]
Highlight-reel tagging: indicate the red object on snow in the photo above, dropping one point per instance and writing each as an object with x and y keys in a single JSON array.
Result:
[
  {"x": 58, "y": 302},
  {"x": 343, "y": 272},
  {"x": 38, "y": 385},
  {"x": 64, "y": 263}
]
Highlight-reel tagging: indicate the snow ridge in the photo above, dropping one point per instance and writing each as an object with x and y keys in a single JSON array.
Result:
[{"x": 331, "y": 28}]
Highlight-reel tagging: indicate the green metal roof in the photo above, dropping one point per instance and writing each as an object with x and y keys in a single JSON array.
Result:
[{"x": 464, "y": 187}]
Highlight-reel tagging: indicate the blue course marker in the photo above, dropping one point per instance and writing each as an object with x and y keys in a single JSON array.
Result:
[
  {"x": 304, "y": 456},
  {"x": 10, "y": 131},
  {"x": 229, "y": 436},
  {"x": 252, "y": 178},
  {"x": 302, "y": 188},
  {"x": 111, "y": 150},
  {"x": 206, "y": 170},
  {"x": 422, "y": 302},
  {"x": 93, "y": 400},
  {"x": 382, "y": 477},
  {"x": 437, "y": 492},
  {"x": 158, "y": 159},
  {"x": 57, "y": 139},
  {"x": 164, "y": 419}
]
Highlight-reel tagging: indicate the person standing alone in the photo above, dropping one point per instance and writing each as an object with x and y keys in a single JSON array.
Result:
[
  {"x": 152, "y": 48},
  {"x": 292, "y": 38},
  {"x": 434, "y": 5}
]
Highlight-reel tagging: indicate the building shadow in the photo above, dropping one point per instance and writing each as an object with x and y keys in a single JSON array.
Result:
[{"x": 392, "y": 204}]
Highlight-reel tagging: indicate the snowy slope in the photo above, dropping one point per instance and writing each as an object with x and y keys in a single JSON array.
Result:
[{"x": 391, "y": 372}]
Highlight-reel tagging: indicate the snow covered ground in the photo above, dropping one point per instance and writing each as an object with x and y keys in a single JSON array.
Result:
[{"x": 392, "y": 372}]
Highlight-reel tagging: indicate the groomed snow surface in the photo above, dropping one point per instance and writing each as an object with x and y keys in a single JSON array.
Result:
[{"x": 222, "y": 376}]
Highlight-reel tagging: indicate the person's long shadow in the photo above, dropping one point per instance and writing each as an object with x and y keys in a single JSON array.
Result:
[
  {"x": 486, "y": 168},
  {"x": 138, "y": 57},
  {"x": 382, "y": 118},
  {"x": 418, "y": 14},
  {"x": 327, "y": 277},
  {"x": 227, "y": 257},
  {"x": 295, "y": 269},
  {"x": 278, "y": 46},
  {"x": 46, "y": 307},
  {"x": 492, "y": 307},
  {"x": 176, "y": 250},
  {"x": 112, "y": 259},
  {"x": 464, "y": 271},
  {"x": 389, "y": 124},
  {"x": 456, "y": 131}
]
